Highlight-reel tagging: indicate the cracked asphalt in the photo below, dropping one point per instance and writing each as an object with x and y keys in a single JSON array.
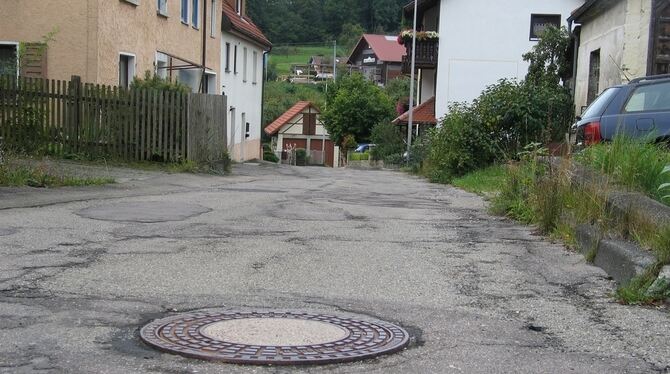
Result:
[{"x": 479, "y": 294}]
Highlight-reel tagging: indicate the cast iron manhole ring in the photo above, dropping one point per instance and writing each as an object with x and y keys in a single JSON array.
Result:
[{"x": 340, "y": 339}]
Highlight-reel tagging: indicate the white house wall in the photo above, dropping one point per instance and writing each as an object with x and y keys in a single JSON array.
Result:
[
  {"x": 482, "y": 41},
  {"x": 622, "y": 35},
  {"x": 244, "y": 97}
]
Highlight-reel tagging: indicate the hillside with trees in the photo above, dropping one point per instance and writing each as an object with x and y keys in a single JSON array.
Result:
[{"x": 309, "y": 21}]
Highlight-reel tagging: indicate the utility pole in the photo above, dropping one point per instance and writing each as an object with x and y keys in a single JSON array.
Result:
[
  {"x": 334, "y": 59},
  {"x": 410, "y": 124}
]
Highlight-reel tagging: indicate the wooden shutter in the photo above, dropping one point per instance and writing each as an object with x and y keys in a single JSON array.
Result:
[{"x": 34, "y": 60}]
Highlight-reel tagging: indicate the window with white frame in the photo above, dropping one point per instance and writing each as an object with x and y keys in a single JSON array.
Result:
[
  {"x": 195, "y": 14},
  {"x": 212, "y": 26},
  {"x": 254, "y": 77},
  {"x": 126, "y": 69},
  {"x": 184, "y": 11},
  {"x": 162, "y": 7},
  {"x": 162, "y": 64},
  {"x": 9, "y": 60},
  {"x": 244, "y": 64}
]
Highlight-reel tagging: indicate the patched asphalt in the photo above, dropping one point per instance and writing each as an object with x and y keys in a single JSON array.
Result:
[{"x": 478, "y": 293}]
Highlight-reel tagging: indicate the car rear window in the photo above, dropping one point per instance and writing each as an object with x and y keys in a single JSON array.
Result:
[
  {"x": 650, "y": 97},
  {"x": 598, "y": 106}
]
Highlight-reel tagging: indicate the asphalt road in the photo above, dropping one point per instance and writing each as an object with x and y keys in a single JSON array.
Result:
[{"x": 81, "y": 271}]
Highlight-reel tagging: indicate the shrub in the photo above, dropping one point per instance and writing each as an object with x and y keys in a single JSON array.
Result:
[
  {"x": 301, "y": 156},
  {"x": 154, "y": 82},
  {"x": 459, "y": 145},
  {"x": 388, "y": 140},
  {"x": 359, "y": 156},
  {"x": 270, "y": 156}
]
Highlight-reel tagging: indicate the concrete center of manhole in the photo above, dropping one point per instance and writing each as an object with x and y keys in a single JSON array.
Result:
[{"x": 275, "y": 332}]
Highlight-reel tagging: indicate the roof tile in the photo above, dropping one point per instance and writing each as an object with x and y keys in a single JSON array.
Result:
[{"x": 424, "y": 114}]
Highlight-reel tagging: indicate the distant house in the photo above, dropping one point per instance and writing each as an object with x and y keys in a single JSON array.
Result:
[
  {"x": 619, "y": 40},
  {"x": 478, "y": 43},
  {"x": 301, "y": 127},
  {"x": 378, "y": 57}
]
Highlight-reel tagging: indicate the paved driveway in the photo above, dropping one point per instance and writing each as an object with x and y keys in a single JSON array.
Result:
[{"x": 82, "y": 269}]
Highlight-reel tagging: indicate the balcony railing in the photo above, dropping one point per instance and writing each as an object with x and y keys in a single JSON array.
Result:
[{"x": 426, "y": 55}]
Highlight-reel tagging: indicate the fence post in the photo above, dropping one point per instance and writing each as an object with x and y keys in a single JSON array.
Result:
[{"x": 75, "y": 114}]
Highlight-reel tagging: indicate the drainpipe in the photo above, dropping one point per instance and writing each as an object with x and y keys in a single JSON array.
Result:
[
  {"x": 265, "y": 77},
  {"x": 204, "y": 45}
]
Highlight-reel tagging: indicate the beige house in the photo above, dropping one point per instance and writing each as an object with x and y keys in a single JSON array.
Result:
[
  {"x": 618, "y": 40},
  {"x": 110, "y": 41}
]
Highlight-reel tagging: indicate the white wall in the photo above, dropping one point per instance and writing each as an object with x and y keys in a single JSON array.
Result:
[
  {"x": 482, "y": 41},
  {"x": 622, "y": 35},
  {"x": 245, "y": 97}
]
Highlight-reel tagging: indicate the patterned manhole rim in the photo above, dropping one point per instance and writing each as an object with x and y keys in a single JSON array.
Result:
[{"x": 181, "y": 334}]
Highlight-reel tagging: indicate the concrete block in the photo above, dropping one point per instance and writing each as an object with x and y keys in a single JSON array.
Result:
[{"x": 620, "y": 259}]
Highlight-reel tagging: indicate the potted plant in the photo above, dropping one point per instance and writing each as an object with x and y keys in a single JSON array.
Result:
[{"x": 421, "y": 36}]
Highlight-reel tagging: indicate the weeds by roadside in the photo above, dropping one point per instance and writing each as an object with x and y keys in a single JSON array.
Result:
[{"x": 40, "y": 176}]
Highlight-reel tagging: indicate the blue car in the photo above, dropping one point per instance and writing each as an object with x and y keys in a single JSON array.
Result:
[
  {"x": 362, "y": 148},
  {"x": 639, "y": 109}
]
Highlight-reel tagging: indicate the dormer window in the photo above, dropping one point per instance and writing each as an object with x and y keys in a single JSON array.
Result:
[{"x": 238, "y": 6}]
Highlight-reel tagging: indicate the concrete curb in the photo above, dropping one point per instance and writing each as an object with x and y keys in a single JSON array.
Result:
[{"x": 622, "y": 260}]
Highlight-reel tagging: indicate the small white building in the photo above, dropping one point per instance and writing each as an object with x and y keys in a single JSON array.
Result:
[
  {"x": 301, "y": 127},
  {"x": 480, "y": 42},
  {"x": 619, "y": 40},
  {"x": 243, "y": 52}
]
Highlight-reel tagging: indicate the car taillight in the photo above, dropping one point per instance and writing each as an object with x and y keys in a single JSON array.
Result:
[{"x": 592, "y": 133}]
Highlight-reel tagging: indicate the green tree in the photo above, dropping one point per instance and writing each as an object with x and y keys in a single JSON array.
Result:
[
  {"x": 549, "y": 61},
  {"x": 350, "y": 35},
  {"x": 355, "y": 105}
]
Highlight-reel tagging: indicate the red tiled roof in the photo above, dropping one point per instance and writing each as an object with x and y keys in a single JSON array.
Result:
[
  {"x": 424, "y": 114},
  {"x": 272, "y": 128},
  {"x": 243, "y": 25},
  {"x": 386, "y": 47}
]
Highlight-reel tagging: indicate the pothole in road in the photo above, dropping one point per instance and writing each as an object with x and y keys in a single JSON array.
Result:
[
  {"x": 144, "y": 212},
  {"x": 7, "y": 231},
  {"x": 274, "y": 337}
]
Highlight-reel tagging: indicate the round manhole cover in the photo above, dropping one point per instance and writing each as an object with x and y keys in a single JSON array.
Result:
[{"x": 273, "y": 338}]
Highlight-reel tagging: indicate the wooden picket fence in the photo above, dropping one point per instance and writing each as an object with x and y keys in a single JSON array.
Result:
[{"x": 70, "y": 117}]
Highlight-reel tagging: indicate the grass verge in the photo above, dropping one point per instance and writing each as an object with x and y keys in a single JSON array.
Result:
[
  {"x": 39, "y": 176},
  {"x": 482, "y": 182}
]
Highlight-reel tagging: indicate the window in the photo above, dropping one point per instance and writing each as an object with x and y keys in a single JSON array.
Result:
[
  {"x": 227, "y": 57},
  {"x": 238, "y": 6},
  {"x": 247, "y": 131},
  {"x": 126, "y": 69},
  {"x": 162, "y": 7},
  {"x": 540, "y": 22},
  {"x": 244, "y": 64},
  {"x": 134, "y": 2},
  {"x": 235, "y": 61},
  {"x": 212, "y": 26},
  {"x": 651, "y": 97},
  {"x": 195, "y": 14},
  {"x": 254, "y": 77},
  {"x": 8, "y": 59},
  {"x": 594, "y": 76},
  {"x": 184, "y": 11},
  {"x": 162, "y": 62},
  {"x": 210, "y": 83}
]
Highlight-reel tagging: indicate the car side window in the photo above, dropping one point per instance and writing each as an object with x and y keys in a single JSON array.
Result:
[{"x": 650, "y": 97}]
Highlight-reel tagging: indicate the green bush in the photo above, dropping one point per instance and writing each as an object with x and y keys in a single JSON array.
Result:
[
  {"x": 359, "y": 156},
  {"x": 387, "y": 139},
  {"x": 270, "y": 156},
  {"x": 301, "y": 157},
  {"x": 459, "y": 145},
  {"x": 154, "y": 82}
]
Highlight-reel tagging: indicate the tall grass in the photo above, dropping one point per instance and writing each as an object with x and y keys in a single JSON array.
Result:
[{"x": 631, "y": 163}]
